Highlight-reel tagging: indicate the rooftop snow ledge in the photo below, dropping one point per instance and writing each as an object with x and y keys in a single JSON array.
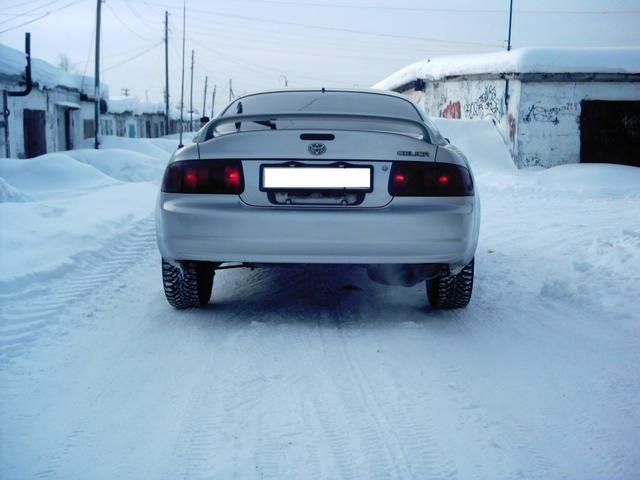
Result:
[
  {"x": 44, "y": 74},
  {"x": 625, "y": 60}
]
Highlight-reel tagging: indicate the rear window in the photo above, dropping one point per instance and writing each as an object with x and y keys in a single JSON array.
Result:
[{"x": 328, "y": 102}]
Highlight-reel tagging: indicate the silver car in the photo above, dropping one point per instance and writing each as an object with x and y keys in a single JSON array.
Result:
[{"x": 319, "y": 177}]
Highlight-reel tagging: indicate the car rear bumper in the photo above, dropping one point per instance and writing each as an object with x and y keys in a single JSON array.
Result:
[{"x": 221, "y": 228}]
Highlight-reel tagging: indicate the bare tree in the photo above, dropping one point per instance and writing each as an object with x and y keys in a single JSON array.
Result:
[{"x": 65, "y": 64}]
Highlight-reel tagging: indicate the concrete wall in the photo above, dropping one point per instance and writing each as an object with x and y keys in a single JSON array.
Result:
[{"x": 549, "y": 118}]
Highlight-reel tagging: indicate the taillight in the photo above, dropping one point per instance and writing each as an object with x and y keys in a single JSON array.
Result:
[
  {"x": 204, "y": 176},
  {"x": 429, "y": 179}
]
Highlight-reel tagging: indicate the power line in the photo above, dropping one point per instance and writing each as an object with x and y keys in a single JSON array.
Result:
[
  {"x": 32, "y": 10},
  {"x": 291, "y": 40},
  {"x": 251, "y": 64},
  {"x": 86, "y": 65},
  {"x": 16, "y": 15},
  {"x": 20, "y": 4},
  {"x": 438, "y": 10},
  {"x": 320, "y": 27},
  {"x": 142, "y": 20},
  {"x": 133, "y": 57},
  {"x": 41, "y": 16},
  {"x": 121, "y": 22}
]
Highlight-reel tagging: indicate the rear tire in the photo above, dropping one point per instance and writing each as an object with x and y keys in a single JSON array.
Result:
[
  {"x": 451, "y": 291},
  {"x": 189, "y": 286}
]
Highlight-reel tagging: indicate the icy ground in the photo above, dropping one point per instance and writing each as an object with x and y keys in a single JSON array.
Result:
[{"x": 312, "y": 372}]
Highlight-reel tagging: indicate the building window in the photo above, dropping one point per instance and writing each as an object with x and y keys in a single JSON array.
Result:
[
  {"x": 106, "y": 126},
  {"x": 89, "y": 128}
]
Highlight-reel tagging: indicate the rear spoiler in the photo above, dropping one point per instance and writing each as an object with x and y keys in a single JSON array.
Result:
[{"x": 268, "y": 119}]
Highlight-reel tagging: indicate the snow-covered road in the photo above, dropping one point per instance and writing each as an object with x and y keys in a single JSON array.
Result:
[{"x": 313, "y": 372}]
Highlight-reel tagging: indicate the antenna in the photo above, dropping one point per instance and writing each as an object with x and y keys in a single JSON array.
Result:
[
  {"x": 191, "y": 95},
  {"x": 166, "y": 73},
  {"x": 204, "y": 102},
  {"x": 213, "y": 99},
  {"x": 184, "y": 15}
]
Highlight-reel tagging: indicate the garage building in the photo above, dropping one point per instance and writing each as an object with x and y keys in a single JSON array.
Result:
[{"x": 551, "y": 105}]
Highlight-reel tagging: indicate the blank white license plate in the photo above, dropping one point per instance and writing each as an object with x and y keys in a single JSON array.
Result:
[{"x": 312, "y": 178}]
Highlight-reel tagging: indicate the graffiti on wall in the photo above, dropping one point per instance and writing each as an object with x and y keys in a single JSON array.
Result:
[
  {"x": 486, "y": 103},
  {"x": 452, "y": 110},
  {"x": 531, "y": 161},
  {"x": 538, "y": 113}
]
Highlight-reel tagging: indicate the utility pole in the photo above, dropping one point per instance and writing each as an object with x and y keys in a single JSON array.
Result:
[
  {"x": 510, "y": 18},
  {"x": 230, "y": 91},
  {"x": 96, "y": 112},
  {"x": 184, "y": 22},
  {"x": 506, "y": 82},
  {"x": 191, "y": 96},
  {"x": 166, "y": 72},
  {"x": 213, "y": 99},
  {"x": 204, "y": 102}
]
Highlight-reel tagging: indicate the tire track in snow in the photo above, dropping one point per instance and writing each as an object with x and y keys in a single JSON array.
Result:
[
  {"x": 403, "y": 438},
  {"x": 36, "y": 309},
  {"x": 218, "y": 430},
  {"x": 356, "y": 436},
  {"x": 408, "y": 429}
]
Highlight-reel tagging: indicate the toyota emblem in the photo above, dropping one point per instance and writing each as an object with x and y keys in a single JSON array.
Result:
[{"x": 317, "y": 148}]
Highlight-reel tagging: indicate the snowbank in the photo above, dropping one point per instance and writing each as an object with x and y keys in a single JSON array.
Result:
[
  {"x": 123, "y": 165},
  {"x": 480, "y": 141},
  {"x": 11, "y": 194},
  {"x": 153, "y": 147},
  {"x": 57, "y": 207},
  {"x": 521, "y": 60},
  {"x": 53, "y": 173},
  {"x": 493, "y": 167}
]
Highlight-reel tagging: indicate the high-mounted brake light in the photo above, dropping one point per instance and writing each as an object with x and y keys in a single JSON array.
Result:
[
  {"x": 204, "y": 176},
  {"x": 429, "y": 179}
]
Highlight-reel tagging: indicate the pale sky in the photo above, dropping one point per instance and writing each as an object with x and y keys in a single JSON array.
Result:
[{"x": 313, "y": 43}]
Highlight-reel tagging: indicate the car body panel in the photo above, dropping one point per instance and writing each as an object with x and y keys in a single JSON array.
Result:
[{"x": 222, "y": 228}]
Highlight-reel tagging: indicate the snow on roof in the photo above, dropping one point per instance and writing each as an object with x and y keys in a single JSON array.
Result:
[
  {"x": 44, "y": 75},
  {"x": 522, "y": 60},
  {"x": 133, "y": 105}
]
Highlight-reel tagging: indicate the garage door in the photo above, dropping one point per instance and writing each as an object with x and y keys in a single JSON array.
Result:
[
  {"x": 610, "y": 132},
  {"x": 35, "y": 142}
]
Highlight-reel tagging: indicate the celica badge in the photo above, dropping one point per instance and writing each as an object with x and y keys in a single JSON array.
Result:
[
  {"x": 409, "y": 153},
  {"x": 317, "y": 148}
]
